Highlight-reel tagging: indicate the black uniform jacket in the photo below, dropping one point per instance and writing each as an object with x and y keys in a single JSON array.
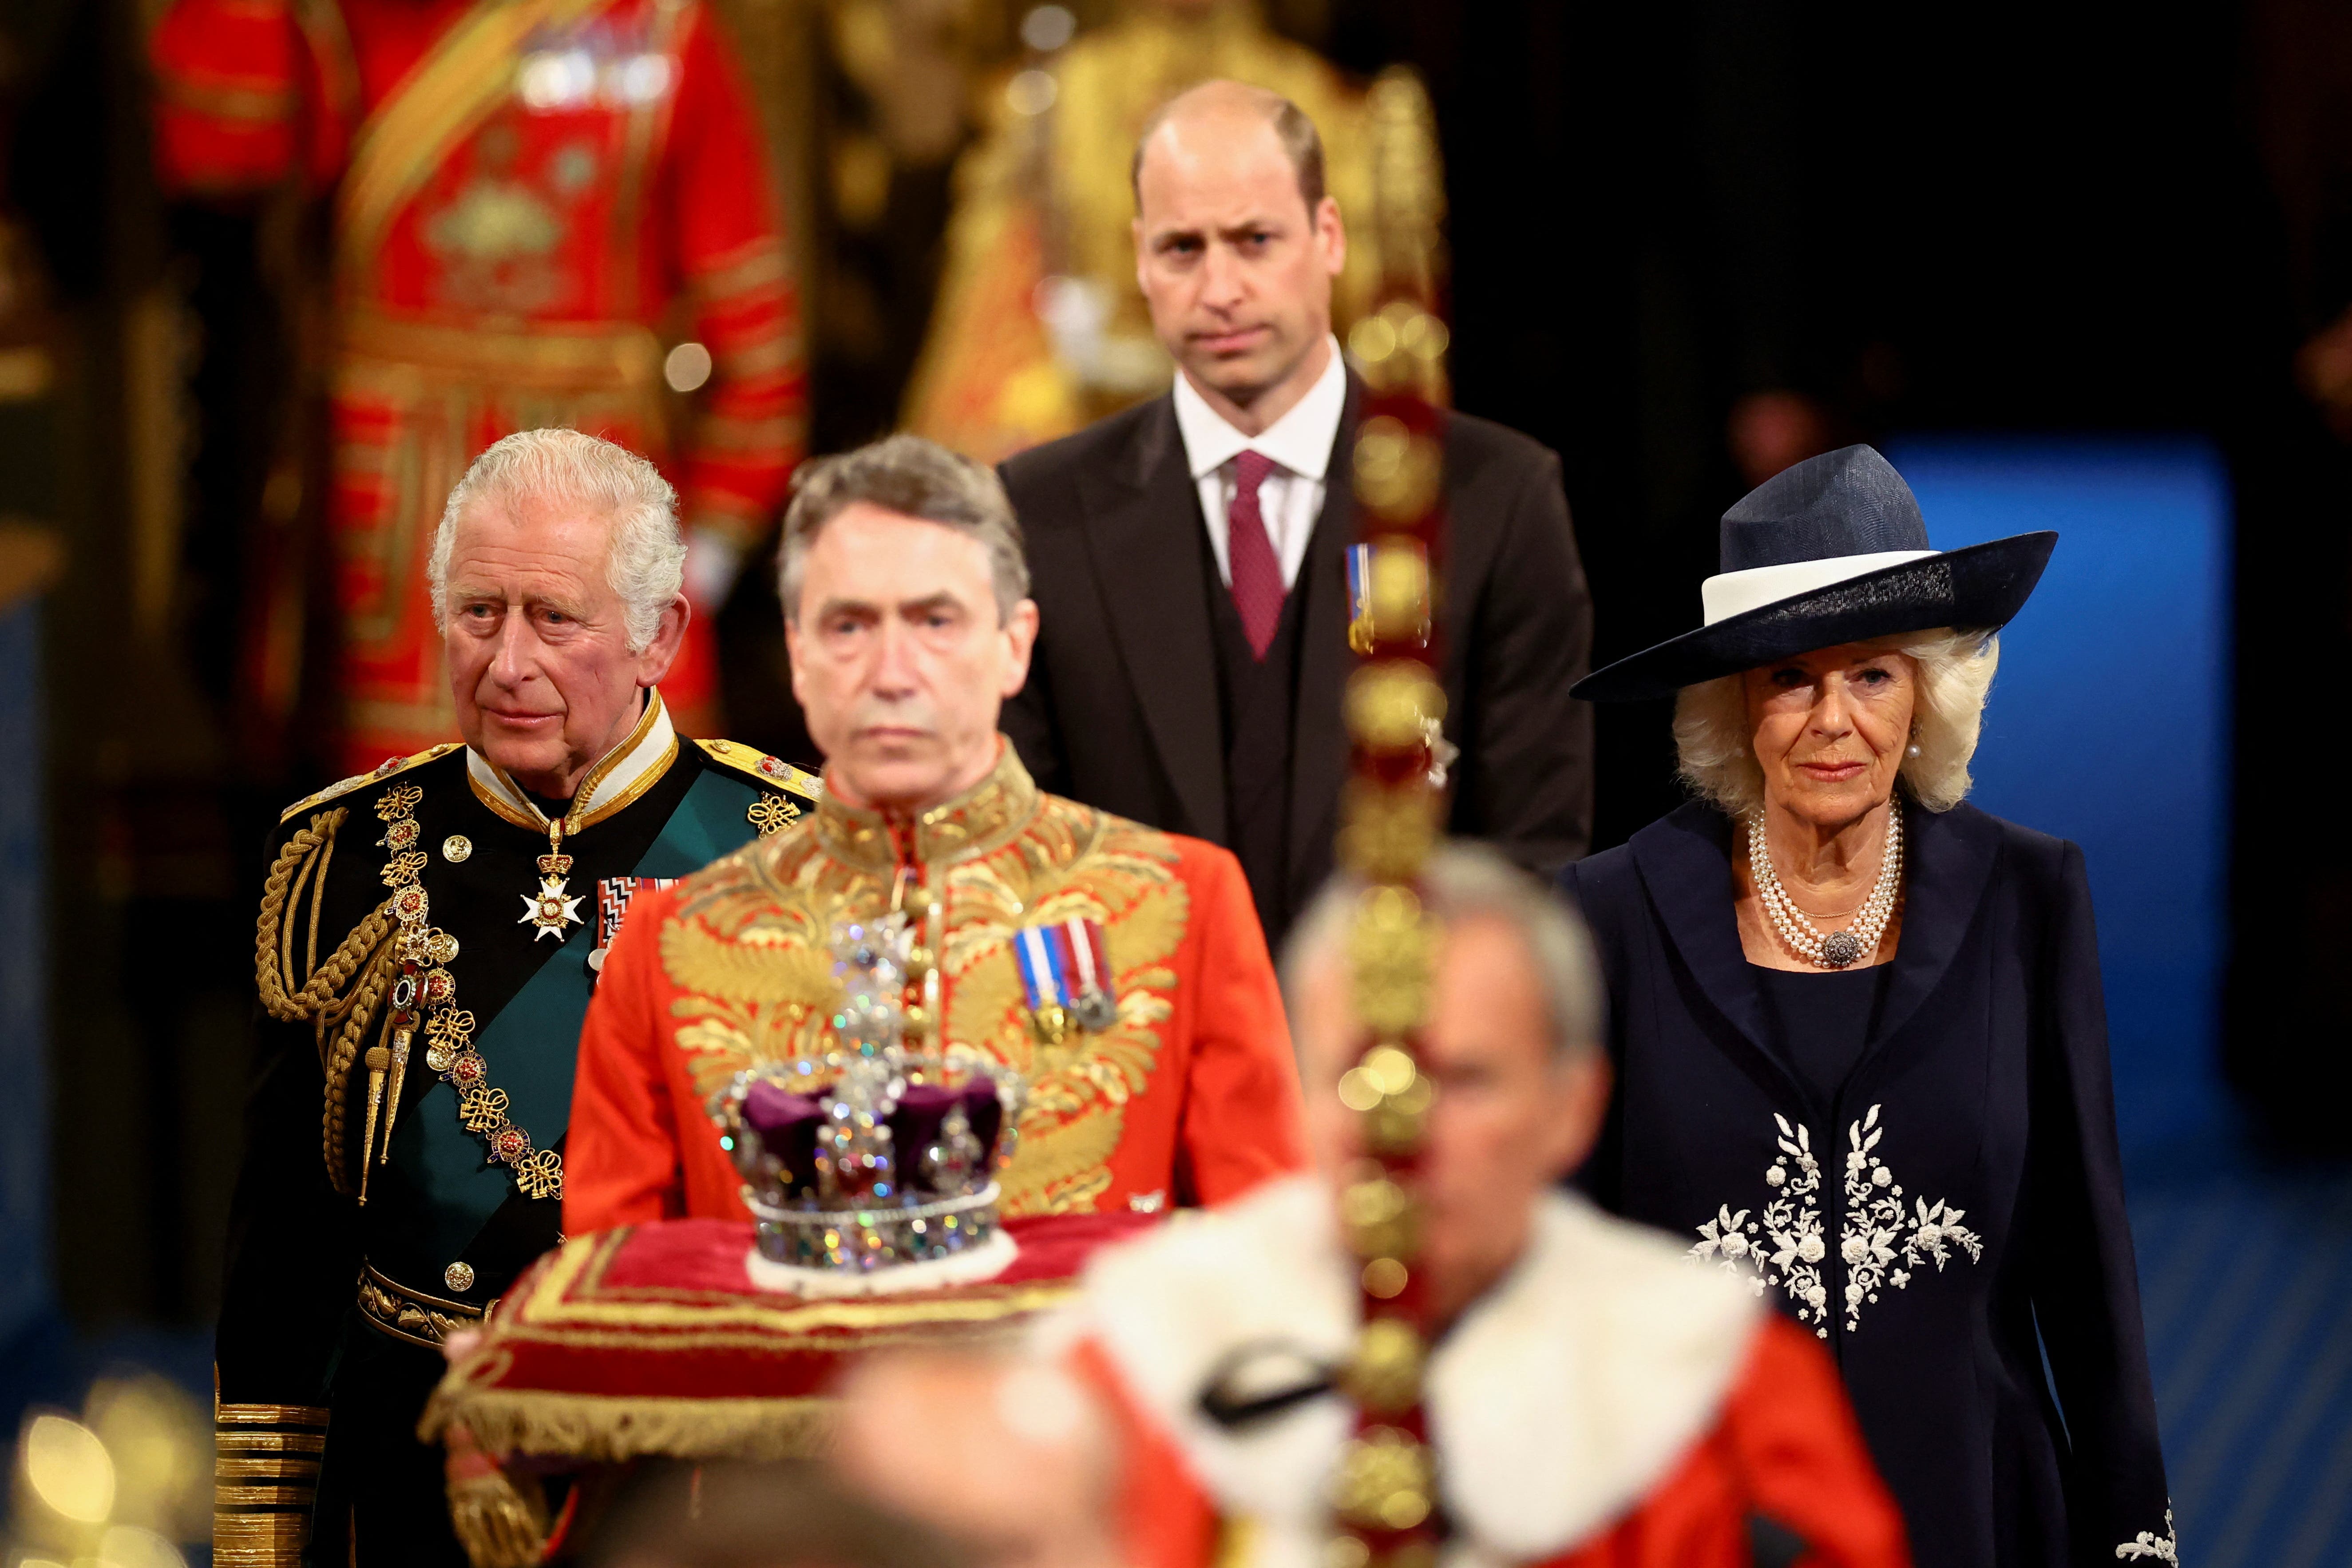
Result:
[
  {"x": 1121, "y": 707},
  {"x": 332, "y": 1308},
  {"x": 1962, "y": 1190}
]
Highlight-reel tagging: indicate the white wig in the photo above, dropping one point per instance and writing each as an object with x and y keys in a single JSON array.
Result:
[
  {"x": 646, "y": 562},
  {"x": 1955, "y": 676}
]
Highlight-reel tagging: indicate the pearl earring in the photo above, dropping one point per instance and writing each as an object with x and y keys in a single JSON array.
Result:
[{"x": 1915, "y": 748}]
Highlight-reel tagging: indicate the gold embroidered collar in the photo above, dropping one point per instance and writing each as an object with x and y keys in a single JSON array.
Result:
[
  {"x": 982, "y": 818},
  {"x": 623, "y": 773}
]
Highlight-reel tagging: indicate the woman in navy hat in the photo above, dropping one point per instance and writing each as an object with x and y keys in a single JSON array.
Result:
[{"x": 1861, "y": 1045}]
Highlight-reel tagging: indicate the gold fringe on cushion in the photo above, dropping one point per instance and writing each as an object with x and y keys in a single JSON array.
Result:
[{"x": 610, "y": 1426}]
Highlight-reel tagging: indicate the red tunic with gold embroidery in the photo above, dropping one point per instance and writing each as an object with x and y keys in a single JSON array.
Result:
[
  {"x": 1190, "y": 1093},
  {"x": 529, "y": 194}
]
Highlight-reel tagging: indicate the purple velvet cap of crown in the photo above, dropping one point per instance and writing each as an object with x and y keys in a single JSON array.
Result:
[
  {"x": 786, "y": 1124},
  {"x": 923, "y": 1110}
]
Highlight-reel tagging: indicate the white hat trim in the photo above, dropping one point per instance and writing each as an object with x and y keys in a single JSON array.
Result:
[{"x": 1737, "y": 593}]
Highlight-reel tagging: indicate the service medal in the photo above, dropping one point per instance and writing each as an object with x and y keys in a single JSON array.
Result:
[{"x": 1066, "y": 969}]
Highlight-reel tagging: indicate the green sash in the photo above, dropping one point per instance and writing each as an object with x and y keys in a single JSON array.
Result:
[{"x": 532, "y": 1043}]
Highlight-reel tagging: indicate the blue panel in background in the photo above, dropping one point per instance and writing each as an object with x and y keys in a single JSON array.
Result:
[{"x": 2109, "y": 724}]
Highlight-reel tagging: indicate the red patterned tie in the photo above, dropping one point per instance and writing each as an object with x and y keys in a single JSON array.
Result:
[{"x": 1257, "y": 576}]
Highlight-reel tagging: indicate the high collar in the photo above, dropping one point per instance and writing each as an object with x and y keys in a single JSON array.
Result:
[
  {"x": 982, "y": 818},
  {"x": 1560, "y": 1398},
  {"x": 1301, "y": 440},
  {"x": 1685, "y": 859},
  {"x": 619, "y": 777}
]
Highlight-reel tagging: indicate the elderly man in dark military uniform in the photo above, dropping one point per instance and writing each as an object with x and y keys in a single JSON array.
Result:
[{"x": 430, "y": 934}]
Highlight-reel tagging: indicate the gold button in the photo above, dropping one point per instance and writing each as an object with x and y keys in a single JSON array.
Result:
[
  {"x": 459, "y": 1277},
  {"x": 456, "y": 847}
]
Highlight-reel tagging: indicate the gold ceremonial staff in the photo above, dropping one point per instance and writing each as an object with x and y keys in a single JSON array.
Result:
[{"x": 1385, "y": 1494}]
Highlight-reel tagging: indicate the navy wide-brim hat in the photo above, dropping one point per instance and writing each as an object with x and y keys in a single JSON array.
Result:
[{"x": 1831, "y": 551}]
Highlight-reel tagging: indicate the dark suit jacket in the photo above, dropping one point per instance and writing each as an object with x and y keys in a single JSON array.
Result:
[
  {"x": 1121, "y": 710},
  {"x": 1983, "y": 1097}
]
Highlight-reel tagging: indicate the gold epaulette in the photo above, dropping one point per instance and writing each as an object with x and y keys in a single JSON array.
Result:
[
  {"x": 382, "y": 770},
  {"x": 771, "y": 770}
]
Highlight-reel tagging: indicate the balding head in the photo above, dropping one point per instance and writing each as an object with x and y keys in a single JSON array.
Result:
[
  {"x": 1242, "y": 105},
  {"x": 1236, "y": 245}
]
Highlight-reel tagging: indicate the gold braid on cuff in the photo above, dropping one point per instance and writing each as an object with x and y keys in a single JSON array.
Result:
[{"x": 266, "y": 1483}]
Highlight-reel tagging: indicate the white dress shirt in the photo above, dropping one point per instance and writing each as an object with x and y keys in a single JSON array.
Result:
[{"x": 1299, "y": 443}]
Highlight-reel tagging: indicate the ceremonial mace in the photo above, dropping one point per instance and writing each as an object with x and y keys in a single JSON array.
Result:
[{"x": 1384, "y": 1495}]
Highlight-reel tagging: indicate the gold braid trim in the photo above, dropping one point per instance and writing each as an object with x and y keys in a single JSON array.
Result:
[
  {"x": 281, "y": 1467},
  {"x": 270, "y": 1415},
  {"x": 290, "y": 874},
  {"x": 605, "y": 1426},
  {"x": 231, "y": 1442},
  {"x": 262, "y": 1501}
]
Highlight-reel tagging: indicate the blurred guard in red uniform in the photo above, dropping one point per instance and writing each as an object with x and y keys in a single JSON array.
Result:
[{"x": 527, "y": 192}]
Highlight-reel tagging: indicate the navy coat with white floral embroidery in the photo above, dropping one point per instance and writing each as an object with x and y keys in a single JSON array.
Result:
[{"x": 1962, "y": 1189}]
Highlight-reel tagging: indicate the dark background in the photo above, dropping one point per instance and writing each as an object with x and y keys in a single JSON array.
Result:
[{"x": 2055, "y": 218}]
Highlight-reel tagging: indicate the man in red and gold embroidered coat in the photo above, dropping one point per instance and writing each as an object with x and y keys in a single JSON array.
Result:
[
  {"x": 527, "y": 194},
  {"x": 908, "y": 624},
  {"x": 1594, "y": 1398}
]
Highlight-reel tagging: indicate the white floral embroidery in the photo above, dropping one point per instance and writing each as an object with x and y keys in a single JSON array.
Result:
[
  {"x": 1875, "y": 1224},
  {"x": 2165, "y": 1548},
  {"x": 1785, "y": 1244}
]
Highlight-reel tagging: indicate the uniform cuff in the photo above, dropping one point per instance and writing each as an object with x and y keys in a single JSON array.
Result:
[{"x": 266, "y": 1483}]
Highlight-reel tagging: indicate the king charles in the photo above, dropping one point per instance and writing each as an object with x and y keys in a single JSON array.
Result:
[{"x": 1119, "y": 971}]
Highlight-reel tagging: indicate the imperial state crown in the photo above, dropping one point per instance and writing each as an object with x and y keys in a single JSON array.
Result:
[{"x": 873, "y": 1168}]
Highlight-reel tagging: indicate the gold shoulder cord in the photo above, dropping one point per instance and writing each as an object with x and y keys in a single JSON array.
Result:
[
  {"x": 338, "y": 997},
  {"x": 266, "y": 1483}
]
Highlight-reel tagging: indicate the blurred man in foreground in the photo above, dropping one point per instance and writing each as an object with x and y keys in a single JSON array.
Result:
[
  {"x": 1116, "y": 970},
  {"x": 1203, "y": 538},
  {"x": 1017, "y": 1464},
  {"x": 405, "y": 1142},
  {"x": 744, "y": 1515},
  {"x": 1593, "y": 1398}
]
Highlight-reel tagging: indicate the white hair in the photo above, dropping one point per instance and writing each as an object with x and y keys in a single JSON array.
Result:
[
  {"x": 1713, "y": 738},
  {"x": 646, "y": 562},
  {"x": 1463, "y": 881}
]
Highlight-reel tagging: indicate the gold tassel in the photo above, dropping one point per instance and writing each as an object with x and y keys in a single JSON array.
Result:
[
  {"x": 378, "y": 1058},
  {"x": 501, "y": 1519},
  {"x": 400, "y": 1039}
]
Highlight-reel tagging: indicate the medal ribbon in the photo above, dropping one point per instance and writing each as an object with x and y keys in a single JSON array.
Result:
[
  {"x": 1043, "y": 974},
  {"x": 1360, "y": 598},
  {"x": 613, "y": 896},
  {"x": 1089, "y": 960}
]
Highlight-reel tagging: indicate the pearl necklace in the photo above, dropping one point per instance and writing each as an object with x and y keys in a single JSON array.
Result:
[{"x": 1837, "y": 949}]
